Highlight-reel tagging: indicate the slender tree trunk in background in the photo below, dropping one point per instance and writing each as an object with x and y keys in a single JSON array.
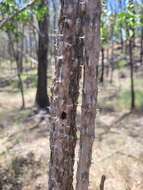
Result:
[
  {"x": 89, "y": 93},
  {"x": 112, "y": 63},
  {"x": 141, "y": 44},
  {"x": 20, "y": 52},
  {"x": 132, "y": 9},
  {"x": 20, "y": 84},
  {"x": 131, "y": 61},
  {"x": 19, "y": 63},
  {"x": 131, "y": 74},
  {"x": 18, "y": 56},
  {"x": 55, "y": 31},
  {"x": 112, "y": 48},
  {"x": 42, "y": 99},
  {"x": 107, "y": 70},
  {"x": 10, "y": 51},
  {"x": 103, "y": 66},
  {"x": 65, "y": 97},
  {"x": 36, "y": 47},
  {"x": 121, "y": 32},
  {"x": 121, "y": 40}
]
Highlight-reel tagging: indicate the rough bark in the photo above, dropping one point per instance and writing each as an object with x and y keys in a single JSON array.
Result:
[
  {"x": 64, "y": 103},
  {"x": 42, "y": 99},
  {"x": 89, "y": 93}
]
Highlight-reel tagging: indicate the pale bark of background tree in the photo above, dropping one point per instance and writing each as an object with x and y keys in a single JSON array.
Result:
[
  {"x": 42, "y": 99},
  {"x": 141, "y": 39},
  {"x": 64, "y": 103},
  {"x": 55, "y": 32},
  {"x": 16, "y": 52},
  {"x": 89, "y": 92},
  {"x": 112, "y": 48}
]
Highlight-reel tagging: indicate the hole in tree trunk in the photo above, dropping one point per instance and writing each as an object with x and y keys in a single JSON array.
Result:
[{"x": 63, "y": 115}]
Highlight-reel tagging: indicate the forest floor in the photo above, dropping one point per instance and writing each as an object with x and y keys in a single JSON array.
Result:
[{"x": 117, "y": 150}]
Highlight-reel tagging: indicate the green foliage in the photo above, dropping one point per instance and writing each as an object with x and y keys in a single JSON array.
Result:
[
  {"x": 25, "y": 16},
  {"x": 41, "y": 12},
  {"x": 104, "y": 26},
  {"x": 104, "y": 34},
  {"x": 129, "y": 20},
  {"x": 10, "y": 7}
]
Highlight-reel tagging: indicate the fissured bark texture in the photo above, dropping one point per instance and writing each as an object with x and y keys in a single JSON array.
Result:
[
  {"x": 65, "y": 95},
  {"x": 89, "y": 92}
]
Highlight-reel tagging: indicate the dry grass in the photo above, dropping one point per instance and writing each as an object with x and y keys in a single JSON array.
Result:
[{"x": 117, "y": 151}]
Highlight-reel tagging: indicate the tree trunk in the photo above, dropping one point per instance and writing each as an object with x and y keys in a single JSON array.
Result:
[
  {"x": 121, "y": 40},
  {"x": 18, "y": 56},
  {"x": 102, "y": 68},
  {"x": 132, "y": 9},
  {"x": 108, "y": 63},
  {"x": 20, "y": 84},
  {"x": 54, "y": 32},
  {"x": 112, "y": 50},
  {"x": 131, "y": 75},
  {"x": 121, "y": 32},
  {"x": 89, "y": 93},
  {"x": 42, "y": 99},
  {"x": 65, "y": 97},
  {"x": 141, "y": 44}
]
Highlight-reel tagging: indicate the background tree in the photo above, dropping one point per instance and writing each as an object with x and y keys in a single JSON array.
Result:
[
  {"x": 89, "y": 91},
  {"x": 42, "y": 99},
  {"x": 104, "y": 38},
  {"x": 129, "y": 18}
]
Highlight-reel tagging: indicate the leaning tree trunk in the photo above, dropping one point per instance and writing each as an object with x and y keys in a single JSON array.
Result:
[
  {"x": 42, "y": 99},
  {"x": 89, "y": 93},
  {"x": 65, "y": 97}
]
